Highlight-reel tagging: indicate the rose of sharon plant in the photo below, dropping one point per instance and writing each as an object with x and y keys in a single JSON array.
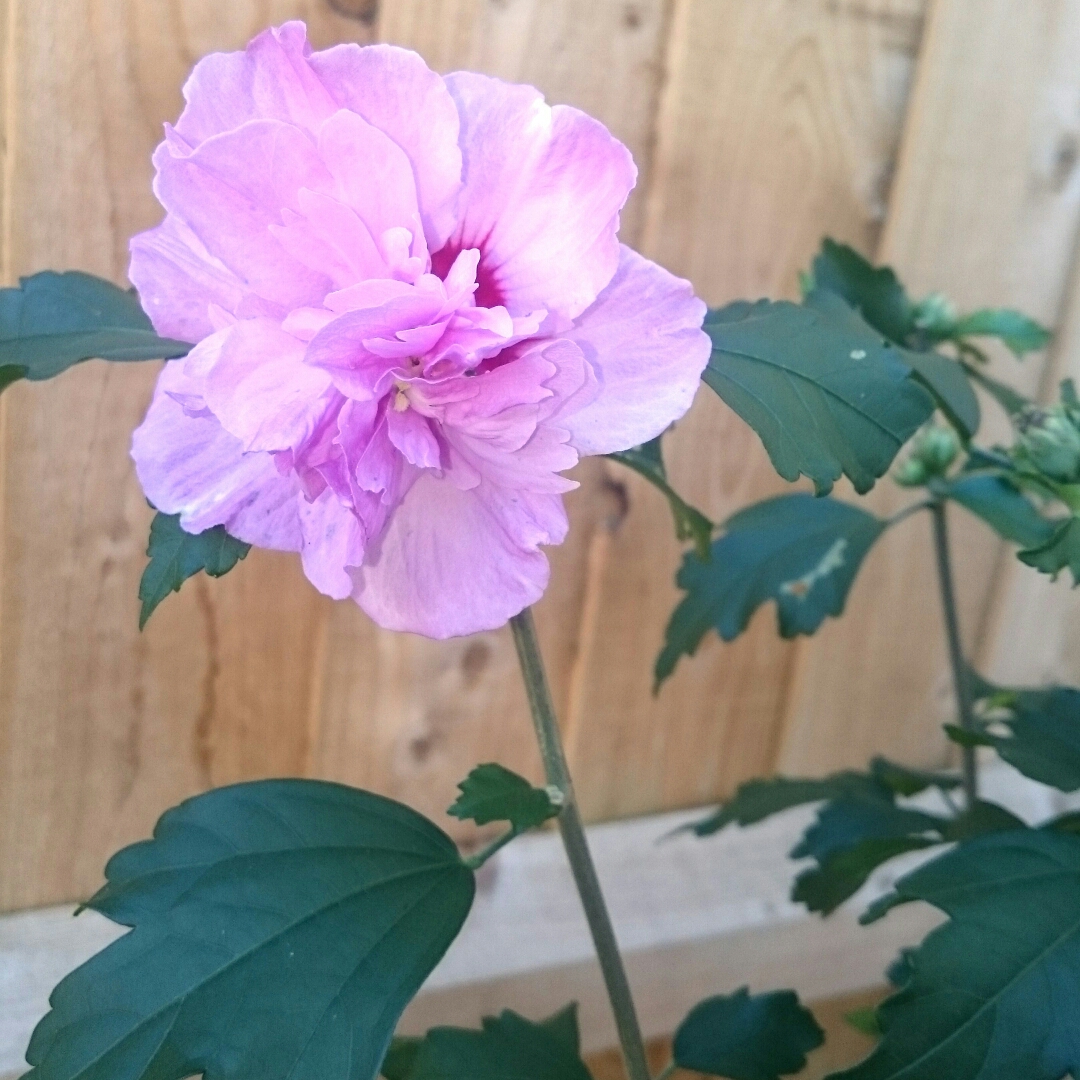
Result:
[{"x": 412, "y": 316}]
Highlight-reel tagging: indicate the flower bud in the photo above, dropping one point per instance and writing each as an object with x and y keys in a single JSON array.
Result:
[
  {"x": 936, "y": 314},
  {"x": 933, "y": 450},
  {"x": 1050, "y": 440}
]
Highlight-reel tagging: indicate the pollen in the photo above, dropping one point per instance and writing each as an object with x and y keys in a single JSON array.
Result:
[{"x": 401, "y": 397}]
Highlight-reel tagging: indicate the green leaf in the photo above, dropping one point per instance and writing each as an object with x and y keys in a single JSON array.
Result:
[
  {"x": 875, "y": 292},
  {"x": 564, "y": 1026},
  {"x": 176, "y": 555},
  {"x": 52, "y": 321},
  {"x": 508, "y": 1047},
  {"x": 492, "y": 793},
  {"x": 281, "y": 927},
  {"x": 993, "y": 994},
  {"x": 1035, "y": 731},
  {"x": 848, "y": 820},
  {"x": 1001, "y": 506},
  {"x": 1060, "y": 552},
  {"x": 690, "y": 524},
  {"x": 826, "y": 394},
  {"x": 801, "y": 551},
  {"x": 400, "y": 1058},
  {"x": 758, "y": 799},
  {"x": 904, "y": 781},
  {"x": 824, "y": 888},
  {"x": 946, "y": 379},
  {"x": 747, "y": 1038},
  {"x": 1017, "y": 331}
]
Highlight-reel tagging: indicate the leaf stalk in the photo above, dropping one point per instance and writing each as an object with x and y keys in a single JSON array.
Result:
[
  {"x": 961, "y": 682},
  {"x": 577, "y": 848}
]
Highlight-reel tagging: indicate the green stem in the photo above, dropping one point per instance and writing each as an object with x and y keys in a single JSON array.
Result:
[
  {"x": 668, "y": 1070},
  {"x": 474, "y": 862},
  {"x": 577, "y": 848},
  {"x": 956, "y": 653}
]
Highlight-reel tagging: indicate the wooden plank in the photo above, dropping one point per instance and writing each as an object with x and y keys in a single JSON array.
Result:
[
  {"x": 779, "y": 124},
  {"x": 984, "y": 208},
  {"x": 694, "y": 918},
  {"x": 410, "y": 717},
  {"x": 101, "y": 728}
]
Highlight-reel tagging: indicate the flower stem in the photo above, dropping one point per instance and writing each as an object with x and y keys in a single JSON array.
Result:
[
  {"x": 577, "y": 848},
  {"x": 956, "y": 653}
]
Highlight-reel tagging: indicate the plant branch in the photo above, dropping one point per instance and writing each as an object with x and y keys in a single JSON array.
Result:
[
  {"x": 577, "y": 848},
  {"x": 961, "y": 682},
  {"x": 474, "y": 862}
]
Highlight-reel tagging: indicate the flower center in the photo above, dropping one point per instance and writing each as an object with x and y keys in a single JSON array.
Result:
[{"x": 401, "y": 396}]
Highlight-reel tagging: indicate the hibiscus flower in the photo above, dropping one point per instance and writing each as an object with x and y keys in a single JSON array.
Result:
[{"x": 412, "y": 315}]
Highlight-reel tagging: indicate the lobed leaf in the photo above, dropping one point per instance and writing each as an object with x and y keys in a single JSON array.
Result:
[
  {"x": 506, "y": 1046},
  {"x": 280, "y": 928},
  {"x": 994, "y": 994},
  {"x": 1060, "y": 552},
  {"x": 53, "y": 321},
  {"x": 803, "y": 552},
  {"x": 1001, "y": 506},
  {"x": 825, "y": 392},
  {"x": 1018, "y": 332},
  {"x": 493, "y": 793},
  {"x": 747, "y": 1038},
  {"x": 175, "y": 555},
  {"x": 690, "y": 524},
  {"x": 947, "y": 380}
]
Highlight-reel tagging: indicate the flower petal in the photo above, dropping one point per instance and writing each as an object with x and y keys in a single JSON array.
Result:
[
  {"x": 643, "y": 339},
  {"x": 233, "y": 188},
  {"x": 396, "y": 92},
  {"x": 543, "y": 190},
  {"x": 261, "y": 390},
  {"x": 333, "y": 543},
  {"x": 270, "y": 80},
  {"x": 192, "y": 467},
  {"x": 455, "y": 562}
]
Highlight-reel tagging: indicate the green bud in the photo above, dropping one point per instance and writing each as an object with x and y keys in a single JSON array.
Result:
[
  {"x": 933, "y": 450},
  {"x": 936, "y": 314},
  {"x": 1050, "y": 440}
]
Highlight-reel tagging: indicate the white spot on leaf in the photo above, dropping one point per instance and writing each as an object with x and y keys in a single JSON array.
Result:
[
  {"x": 831, "y": 561},
  {"x": 858, "y": 354}
]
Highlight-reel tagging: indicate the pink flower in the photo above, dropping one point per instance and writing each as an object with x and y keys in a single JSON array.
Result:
[{"x": 413, "y": 315}]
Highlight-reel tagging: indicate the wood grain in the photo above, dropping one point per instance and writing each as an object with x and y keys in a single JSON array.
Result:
[
  {"x": 410, "y": 717},
  {"x": 984, "y": 208},
  {"x": 101, "y": 728},
  {"x": 779, "y": 124}
]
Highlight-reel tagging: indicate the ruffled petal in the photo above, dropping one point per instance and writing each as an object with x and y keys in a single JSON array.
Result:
[
  {"x": 333, "y": 543},
  {"x": 270, "y": 80},
  {"x": 233, "y": 188},
  {"x": 543, "y": 190},
  {"x": 396, "y": 92},
  {"x": 189, "y": 465},
  {"x": 455, "y": 562},
  {"x": 644, "y": 341},
  {"x": 261, "y": 390}
]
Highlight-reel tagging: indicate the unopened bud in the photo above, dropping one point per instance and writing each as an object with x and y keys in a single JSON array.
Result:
[
  {"x": 910, "y": 473},
  {"x": 933, "y": 450},
  {"x": 1050, "y": 440},
  {"x": 936, "y": 314}
]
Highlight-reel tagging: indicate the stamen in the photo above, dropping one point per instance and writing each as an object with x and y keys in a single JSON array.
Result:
[{"x": 401, "y": 397}]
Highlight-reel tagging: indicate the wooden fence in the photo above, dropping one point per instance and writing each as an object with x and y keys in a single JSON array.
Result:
[{"x": 942, "y": 136}]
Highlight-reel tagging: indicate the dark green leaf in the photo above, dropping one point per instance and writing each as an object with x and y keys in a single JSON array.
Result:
[
  {"x": 946, "y": 379},
  {"x": 400, "y": 1058},
  {"x": 690, "y": 524},
  {"x": 52, "y": 321},
  {"x": 824, "y": 888},
  {"x": 563, "y": 1026},
  {"x": 1060, "y": 552},
  {"x": 176, "y": 555},
  {"x": 1011, "y": 401},
  {"x": 803, "y": 552},
  {"x": 492, "y": 793},
  {"x": 900, "y": 971},
  {"x": 904, "y": 781},
  {"x": 756, "y": 800},
  {"x": 508, "y": 1048},
  {"x": 979, "y": 819},
  {"x": 864, "y": 1020},
  {"x": 844, "y": 822},
  {"x": 1001, "y": 506},
  {"x": 875, "y": 292},
  {"x": 280, "y": 926},
  {"x": 1035, "y": 731},
  {"x": 993, "y": 994},
  {"x": 826, "y": 394},
  {"x": 747, "y": 1038},
  {"x": 1014, "y": 329}
]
